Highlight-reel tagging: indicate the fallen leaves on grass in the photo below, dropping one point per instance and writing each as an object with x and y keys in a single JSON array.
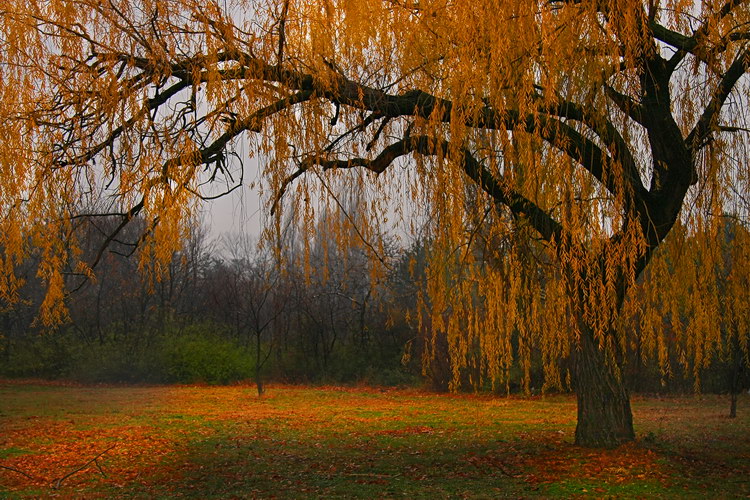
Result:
[
  {"x": 299, "y": 441},
  {"x": 628, "y": 463}
]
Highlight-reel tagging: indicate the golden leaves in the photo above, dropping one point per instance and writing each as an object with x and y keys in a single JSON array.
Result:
[{"x": 122, "y": 101}]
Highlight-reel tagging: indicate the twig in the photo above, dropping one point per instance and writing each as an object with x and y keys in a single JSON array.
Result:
[
  {"x": 370, "y": 474},
  {"x": 18, "y": 472},
  {"x": 282, "y": 32},
  {"x": 98, "y": 466},
  {"x": 93, "y": 460},
  {"x": 504, "y": 471}
]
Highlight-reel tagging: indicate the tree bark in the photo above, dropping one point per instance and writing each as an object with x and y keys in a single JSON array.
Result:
[{"x": 604, "y": 416}]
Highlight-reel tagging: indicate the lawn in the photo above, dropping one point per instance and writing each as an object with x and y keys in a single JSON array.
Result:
[{"x": 304, "y": 442}]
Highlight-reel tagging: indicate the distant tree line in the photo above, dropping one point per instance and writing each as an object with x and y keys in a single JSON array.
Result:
[
  {"x": 222, "y": 310},
  {"x": 229, "y": 309}
]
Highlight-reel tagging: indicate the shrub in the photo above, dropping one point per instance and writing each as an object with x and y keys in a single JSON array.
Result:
[
  {"x": 198, "y": 355},
  {"x": 205, "y": 358}
]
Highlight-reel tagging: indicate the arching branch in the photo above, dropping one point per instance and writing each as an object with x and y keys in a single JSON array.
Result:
[
  {"x": 418, "y": 103},
  {"x": 689, "y": 44},
  {"x": 707, "y": 122},
  {"x": 496, "y": 187}
]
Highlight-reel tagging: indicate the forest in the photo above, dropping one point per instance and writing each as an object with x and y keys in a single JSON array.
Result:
[{"x": 224, "y": 311}]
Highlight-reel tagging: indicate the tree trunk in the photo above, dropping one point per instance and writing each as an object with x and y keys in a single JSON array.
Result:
[
  {"x": 735, "y": 376},
  {"x": 259, "y": 382},
  {"x": 258, "y": 379},
  {"x": 604, "y": 416}
]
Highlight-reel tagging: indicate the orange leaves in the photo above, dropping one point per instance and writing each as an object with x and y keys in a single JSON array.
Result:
[
  {"x": 627, "y": 463},
  {"x": 417, "y": 429},
  {"x": 299, "y": 441},
  {"x": 53, "y": 449}
]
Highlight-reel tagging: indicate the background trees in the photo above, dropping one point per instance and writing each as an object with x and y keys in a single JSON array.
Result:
[{"x": 582, "y": 126}]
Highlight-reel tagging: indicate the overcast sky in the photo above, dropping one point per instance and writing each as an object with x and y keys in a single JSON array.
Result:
[{"x": 238, "y": 212}]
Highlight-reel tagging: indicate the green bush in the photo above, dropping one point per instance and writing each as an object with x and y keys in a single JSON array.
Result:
[
  {"x": 347, "y": 364},
  {"x": 115, "y": 362},
  {"x": 208, "y": 359},
  {"x": 43, "y": 356},
  {"x": 198, "y": 355}
]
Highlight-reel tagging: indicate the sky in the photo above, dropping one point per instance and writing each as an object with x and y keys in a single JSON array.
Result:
[{"x": 237, "y": 212}]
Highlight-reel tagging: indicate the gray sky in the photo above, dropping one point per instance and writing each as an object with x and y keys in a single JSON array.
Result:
[{"x": 237, "y": 212}]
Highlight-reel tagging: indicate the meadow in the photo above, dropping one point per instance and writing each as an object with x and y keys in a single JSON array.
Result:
[{"x": 331, "y": 442}]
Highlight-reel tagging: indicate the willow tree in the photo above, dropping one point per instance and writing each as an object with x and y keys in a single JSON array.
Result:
[{"x": 579, "y": 125}]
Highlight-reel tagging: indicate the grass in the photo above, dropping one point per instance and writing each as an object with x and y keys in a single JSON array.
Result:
[{"x": 301, "y": 442}]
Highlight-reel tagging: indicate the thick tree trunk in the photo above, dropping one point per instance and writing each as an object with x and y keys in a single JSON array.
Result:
[{"x": 604, "y": 416}]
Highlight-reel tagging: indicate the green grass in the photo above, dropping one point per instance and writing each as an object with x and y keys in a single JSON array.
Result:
[
  {"x": 300, "y": 442},
  {"x": 12, "y": 452}
]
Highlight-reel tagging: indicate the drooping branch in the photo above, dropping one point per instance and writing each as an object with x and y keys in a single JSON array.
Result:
[
  {"x": 496, "y": 187},
  {"x": 707, "y": 122},
  {"x": 418, "y": 103},
  {"x": 606, "y": 157},
  {"x": 378, "y": 165},
  {"x": 690, "y": 44},
  {"x": 151, "y": 105}
]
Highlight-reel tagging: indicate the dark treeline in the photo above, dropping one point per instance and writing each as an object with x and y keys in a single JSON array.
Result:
[
  {"x": 228, "y": 310},
  {"x": 222, "y": 310}
]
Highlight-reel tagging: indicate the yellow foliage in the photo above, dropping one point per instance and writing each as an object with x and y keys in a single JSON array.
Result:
[{"x": 548, "y": 147}]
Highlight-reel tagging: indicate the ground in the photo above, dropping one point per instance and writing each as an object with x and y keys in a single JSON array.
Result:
[{"x": 310, "y": 442}]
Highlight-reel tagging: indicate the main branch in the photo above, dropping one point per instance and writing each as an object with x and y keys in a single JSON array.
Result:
[{"x": 496, "y": 187}]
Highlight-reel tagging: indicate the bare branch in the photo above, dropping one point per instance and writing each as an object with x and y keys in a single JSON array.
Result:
[
  {"x": 59, "y": 481},
  {"x": 706, "y": 123},
  {"x": 18, "y": 471},
  {"x": 126, "y": 218}
]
